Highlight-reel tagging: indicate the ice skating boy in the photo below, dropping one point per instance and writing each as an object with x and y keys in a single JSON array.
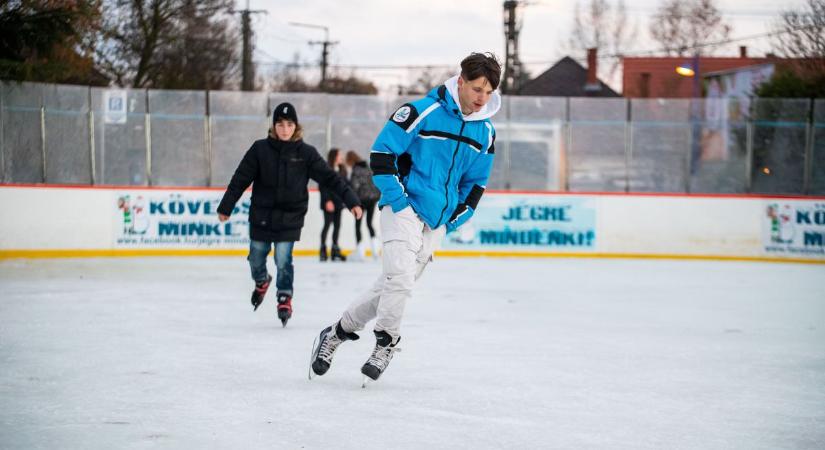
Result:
[
  {"x": 279, "y": 168},
  {"x": 431, "y": 163}
]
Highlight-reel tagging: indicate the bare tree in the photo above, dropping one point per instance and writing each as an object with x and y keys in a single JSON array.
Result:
[
  {"x": 605, "y": 28},
  {"x": 204, "y": 55},
  {"x": 290, "y": 77},
  {"x": 427, "y": 78},
  {"x": 687, "y": 27},
  {"x": 168, "y": 43},
  {"x": 801, "y": 35}
]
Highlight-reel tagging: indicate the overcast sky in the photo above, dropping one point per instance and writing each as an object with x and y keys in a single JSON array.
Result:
[{"x": 439, "y": 32}]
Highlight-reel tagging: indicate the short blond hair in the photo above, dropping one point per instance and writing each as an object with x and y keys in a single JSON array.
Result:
[{"x": 297, "y": 135}]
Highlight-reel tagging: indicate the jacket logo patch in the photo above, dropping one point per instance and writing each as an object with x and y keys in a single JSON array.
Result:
[{"x": 402, "y": 114}]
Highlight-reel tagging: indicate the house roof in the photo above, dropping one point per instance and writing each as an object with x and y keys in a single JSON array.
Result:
[
  {"x": 566, "y": 78},
  {"x": 657, "y": 77}
]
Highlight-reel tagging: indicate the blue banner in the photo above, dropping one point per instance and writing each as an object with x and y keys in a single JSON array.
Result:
[{"x": 539, "y": 223}]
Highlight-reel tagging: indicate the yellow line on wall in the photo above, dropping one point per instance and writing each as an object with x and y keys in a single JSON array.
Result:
[{"x": 95, "y": 253}]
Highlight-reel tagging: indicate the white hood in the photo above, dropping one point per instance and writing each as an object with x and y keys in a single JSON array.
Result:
[{"x": 486, "y": 112}]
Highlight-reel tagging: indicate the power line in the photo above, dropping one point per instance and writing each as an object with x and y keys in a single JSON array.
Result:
[
  {"x": 325, "y": 46},
  {"x": 452, "y": 66}
]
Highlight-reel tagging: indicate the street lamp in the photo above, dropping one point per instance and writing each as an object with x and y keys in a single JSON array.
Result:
[
  {"x": 685, "y": 70},
  {"x": 691, "y": 69}
]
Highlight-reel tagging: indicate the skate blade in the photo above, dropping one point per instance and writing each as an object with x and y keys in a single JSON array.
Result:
[
  {"x": 283, "y": 322},
  {"x": 312, "y": 358},
  {"x": 366, "y": 380}
]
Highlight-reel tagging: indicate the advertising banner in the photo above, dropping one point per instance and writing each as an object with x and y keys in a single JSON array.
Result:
[
  {"x": 794, "y": 228},
  {"x": 179, "y": 219},
  {"x": 531, "y": 223}
]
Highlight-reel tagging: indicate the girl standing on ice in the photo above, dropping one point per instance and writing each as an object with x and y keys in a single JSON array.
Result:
[
  {"x": 360, "y": 181},
  {"x": 279, "y": 168},
  {"x": 331, "y": 205}
]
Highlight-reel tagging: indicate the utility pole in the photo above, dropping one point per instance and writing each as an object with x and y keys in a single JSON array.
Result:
[
  {"x": 512, "y": 63},
  {"x": 325, "y": 45},
  {"x": 247, "y": 68}
]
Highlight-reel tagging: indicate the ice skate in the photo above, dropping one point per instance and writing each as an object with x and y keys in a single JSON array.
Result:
[
  {"x": 335, "y": 254},
  {"x": 381, "y": 356},
  {"x": 325, "y": 346},
  {"x": 359, "y": 254},
  {"x": 259, "y": 292},
  {"x": 284, "y": 308},
  {"x": 374, "y": 246}
]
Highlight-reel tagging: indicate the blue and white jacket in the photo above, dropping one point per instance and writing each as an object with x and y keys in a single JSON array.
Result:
[{"x": 432, "y": 157}]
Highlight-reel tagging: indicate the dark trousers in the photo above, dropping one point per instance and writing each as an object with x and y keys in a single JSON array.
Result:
[
  {"x": 334, "y": 219},
  {"x": 369, "y": 212}
]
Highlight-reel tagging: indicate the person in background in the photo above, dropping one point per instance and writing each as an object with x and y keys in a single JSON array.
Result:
[
  {"x": 331, "y": 205},
  {"x": 279, "y": 168},
  {"x": 360, "y": 180}
]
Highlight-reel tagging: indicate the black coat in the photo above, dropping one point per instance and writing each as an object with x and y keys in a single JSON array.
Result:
[
  {"x": 361, "y": 182},
  {"x": 279, "y": 172}
]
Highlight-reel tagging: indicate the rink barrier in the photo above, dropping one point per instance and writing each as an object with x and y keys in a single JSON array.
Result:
[
  {"x": 47, "y": 221},
  {"x": 49, "y": 254}
]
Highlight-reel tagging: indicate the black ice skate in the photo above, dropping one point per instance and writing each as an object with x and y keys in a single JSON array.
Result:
[
  {"x": 284, "y": 308},
  {"x": 381, "y": 356},
  {"x": 259, "y": 292},
  {"x": 325, "y": 345},
  {"x": 335, "y": 254}
]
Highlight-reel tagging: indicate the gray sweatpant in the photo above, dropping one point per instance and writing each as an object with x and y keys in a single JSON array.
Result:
[{"x": 408, "y": 247}]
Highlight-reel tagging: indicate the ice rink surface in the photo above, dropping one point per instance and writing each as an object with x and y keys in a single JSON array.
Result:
[{"x": 140, "y": 353}]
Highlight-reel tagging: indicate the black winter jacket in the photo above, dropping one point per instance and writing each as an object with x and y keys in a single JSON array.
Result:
[
  {"x": 279, "y": 172},
  {"x": 361, "y": 182}
]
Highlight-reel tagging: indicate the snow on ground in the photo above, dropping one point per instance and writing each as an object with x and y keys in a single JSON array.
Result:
[{"x": 138, "y": 353}]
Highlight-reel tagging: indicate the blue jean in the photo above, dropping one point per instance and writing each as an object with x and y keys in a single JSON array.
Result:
[{"x": 258, "y": 251}]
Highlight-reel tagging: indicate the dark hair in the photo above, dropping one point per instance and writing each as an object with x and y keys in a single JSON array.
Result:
[
  {"x": 331, "y": 157},
  {"x": 352, "y": 158},
  {"x": 482, "y": 65}
]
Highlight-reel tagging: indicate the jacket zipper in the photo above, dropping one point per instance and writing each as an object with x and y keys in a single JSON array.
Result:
[{"x": 449, "y": 175}]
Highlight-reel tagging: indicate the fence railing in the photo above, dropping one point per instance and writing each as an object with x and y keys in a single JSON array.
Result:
[{"x": 80, "y": 135}]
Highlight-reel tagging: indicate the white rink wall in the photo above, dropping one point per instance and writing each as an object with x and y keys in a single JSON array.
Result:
[{"x": 77, "y": 221}]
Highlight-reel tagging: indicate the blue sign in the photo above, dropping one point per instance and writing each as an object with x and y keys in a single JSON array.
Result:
[{"x": 537, "y": 223}]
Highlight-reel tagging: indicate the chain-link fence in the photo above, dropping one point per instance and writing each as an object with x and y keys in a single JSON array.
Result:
[{"x": 78, "y": 135}]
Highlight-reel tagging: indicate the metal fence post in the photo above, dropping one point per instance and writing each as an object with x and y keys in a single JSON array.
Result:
[
  {"x": 508, "y": 146},
  {"x": 749, "y": 132},
  {"x": 147, "y": 129},
  {"x": 207, "y": 130},
  {"x": 809, "y": 149},
  {"x": 2, "y": 133},
  {"x": 568, "y": 147},
  {"x": 628, "y": 145},
  {"x": 147, "y": 126},
  {"x": 689, "y": 149},
  {"x": 328, "y": 131},
  {"x": 91, "y": 119},
  {"x": 43, "y": 138}
]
